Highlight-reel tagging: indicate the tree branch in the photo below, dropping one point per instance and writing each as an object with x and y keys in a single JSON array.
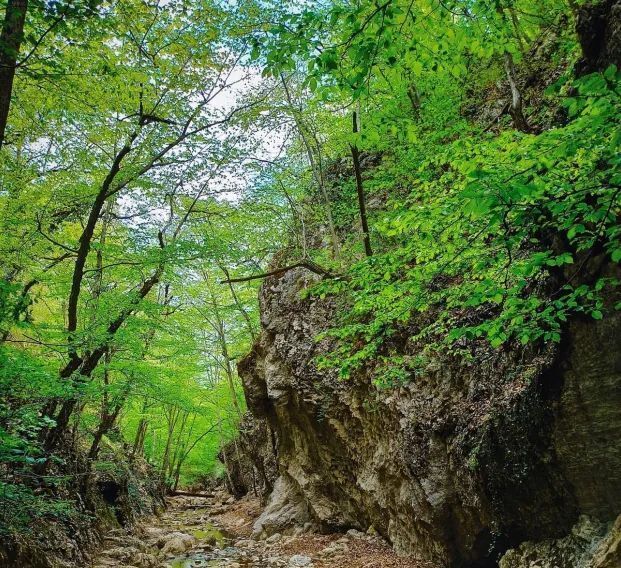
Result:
[{"x": 308, "y": 264}]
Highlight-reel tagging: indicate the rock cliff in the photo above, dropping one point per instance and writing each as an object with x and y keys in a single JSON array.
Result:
[{"x": 516, "y": 448}]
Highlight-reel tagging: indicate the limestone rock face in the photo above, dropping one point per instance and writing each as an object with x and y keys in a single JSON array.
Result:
[
  {"x": 608, "y": 554},
  {"x": 466, "y": 461},
  {"x": 286, "y": 512},
  {"x": 590, "y": 544},
  {"x": 250, "y": 459}
]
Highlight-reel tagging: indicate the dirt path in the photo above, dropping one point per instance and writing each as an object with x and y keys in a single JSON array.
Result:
[{"x": 216, "y": 532}]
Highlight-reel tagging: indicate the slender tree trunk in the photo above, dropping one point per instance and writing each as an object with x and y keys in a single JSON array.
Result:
[
  {"x": 85, "y": 246},
  {"x": 182, "y": 453},
  {"x": 230, "y": 377},
  {"x": 516, "y": 26},
  {"x": 414, "y": 100},
  {"x": 315, "y": 168},
  {"x": 141, "y": 432},
  {"x": 178, "y": 445},
  {"x": 109, "y": 412},
  {"x": 10, "y": 43},
  {"x": 173, "y": 416},
  {"x": 177, "y": 476},
  {"x": 238, "y": 304},
  {"x": 364, "y": 224},
  {"x": 85, "y": 366},
  {"x": 139, "y": 440},
  {"x": 107, "y": 422},
  {"x": 515, "y": 109}
]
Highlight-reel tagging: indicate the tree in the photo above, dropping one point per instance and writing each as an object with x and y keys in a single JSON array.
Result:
[{"x": 11, "y": 39}]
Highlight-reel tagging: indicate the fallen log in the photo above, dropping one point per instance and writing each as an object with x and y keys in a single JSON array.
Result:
[{"x": 180, "y": 493}]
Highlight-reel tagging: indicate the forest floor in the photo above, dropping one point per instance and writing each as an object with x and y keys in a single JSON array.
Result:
[{"x": 216, "y": 532}]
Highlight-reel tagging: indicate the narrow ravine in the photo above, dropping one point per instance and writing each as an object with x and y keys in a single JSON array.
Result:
[
  {"x": 216, "y": 531},
  {"x": 356, "y": 261}
]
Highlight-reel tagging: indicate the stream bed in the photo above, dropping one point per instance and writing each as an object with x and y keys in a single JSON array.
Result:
[{"x": 216, "y": 532}]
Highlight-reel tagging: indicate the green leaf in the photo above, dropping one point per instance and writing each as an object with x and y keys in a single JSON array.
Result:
[{"x": 611, "y": 72}]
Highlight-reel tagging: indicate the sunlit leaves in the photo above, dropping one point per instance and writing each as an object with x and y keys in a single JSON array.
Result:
[{"x": 474, "y": 242}]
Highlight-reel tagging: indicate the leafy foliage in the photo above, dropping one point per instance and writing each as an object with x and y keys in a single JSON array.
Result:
[
  {"x": 121, "y": 208},
  {"x": 499, "y": 236}
]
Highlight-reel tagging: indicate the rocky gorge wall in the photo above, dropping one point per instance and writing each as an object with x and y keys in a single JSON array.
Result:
[
  {"x": 518, "y": 449},
  {"x": 251, "y": 459},
  {"x": 511, "y": 459}
]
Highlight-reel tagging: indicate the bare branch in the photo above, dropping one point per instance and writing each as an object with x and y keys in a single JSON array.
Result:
[{"x": 308, "y": 264}]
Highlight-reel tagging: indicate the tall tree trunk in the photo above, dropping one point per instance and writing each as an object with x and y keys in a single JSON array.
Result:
[
  {"x": 238, "y": 304},
  {"x": 316, "y": 169},
  {"x": 85, "y": 366},
  {"x": 227, "y": 467},
  {"x": 224, "y": 349},
  {"x": 229, "y": 376},
  {"x": 139, "y": 440},
  {"x": 178, "y": 445},
  {"x": 177, "y": 475},
  {"x": 515, "y": 109},
  {"x": 172, "y": 418},
  {"x": 364, "y": 224},
  {"x": 85, "y": 246},
  {"x": 181, "y": 454},
  {"x": 110, "y": 411},
  {"x": 141, "y": 432},
  {"x": 107, "y": 422},
  {"x": 10, "y": 44},
  {"x": 414, "y": 97}
]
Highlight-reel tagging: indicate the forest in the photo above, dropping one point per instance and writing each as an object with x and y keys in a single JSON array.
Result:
[{"x": 178, "y": 178}]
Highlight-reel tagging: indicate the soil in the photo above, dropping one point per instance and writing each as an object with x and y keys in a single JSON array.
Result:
[{"x": 216, "y": 531}]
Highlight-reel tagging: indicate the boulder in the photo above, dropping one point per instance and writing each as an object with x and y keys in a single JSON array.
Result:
[
  {"x": 299, "y": 560},
  {"x": 574, "y": 550},
  {"x": 176, "y": 543},
  {"x": 286, "y": 510},
  {"x": 144, "y": 560}
]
